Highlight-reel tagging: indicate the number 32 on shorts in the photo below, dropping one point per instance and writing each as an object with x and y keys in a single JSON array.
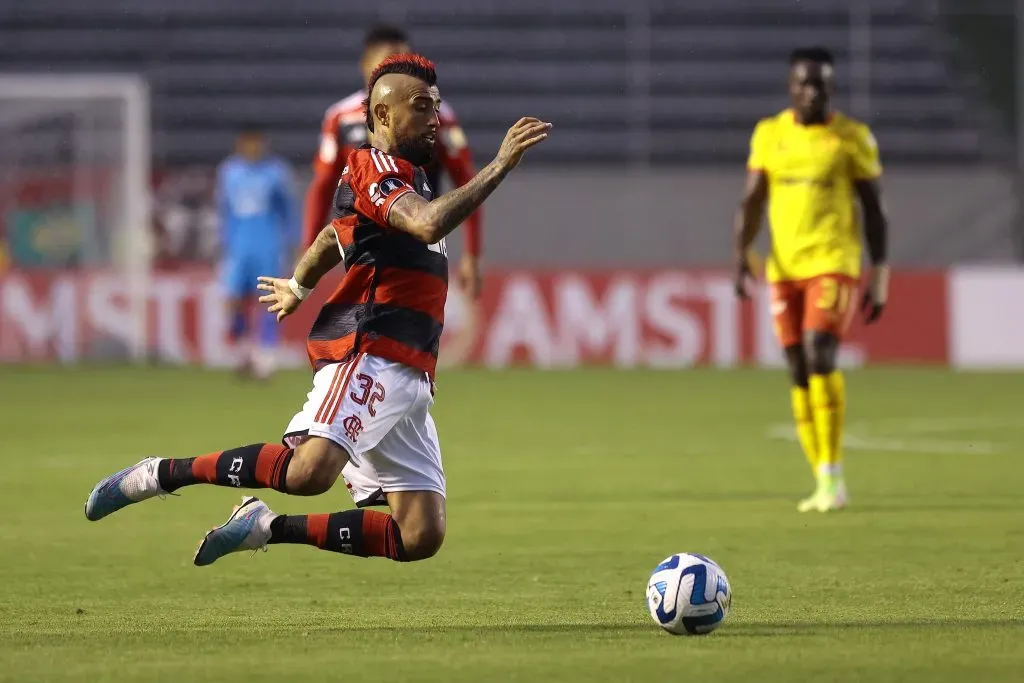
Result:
[
  {"x": 833, "y": 295},
  {"x": 362, "y": 394}
]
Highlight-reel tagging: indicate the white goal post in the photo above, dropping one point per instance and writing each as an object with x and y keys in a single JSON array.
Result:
[{"x": 82, "y": 143}]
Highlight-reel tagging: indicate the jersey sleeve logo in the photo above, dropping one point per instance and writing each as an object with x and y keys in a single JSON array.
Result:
[{"x": 379, "y": 191}]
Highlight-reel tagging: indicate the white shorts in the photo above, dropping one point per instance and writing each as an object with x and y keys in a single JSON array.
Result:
[{"x": 379, "y": 411}]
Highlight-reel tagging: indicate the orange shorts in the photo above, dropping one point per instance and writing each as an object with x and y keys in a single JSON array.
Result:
[{"x": 825, "y": 303}]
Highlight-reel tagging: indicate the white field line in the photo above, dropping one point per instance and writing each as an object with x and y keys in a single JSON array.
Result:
[
  {"x": 905, "y": 436},
  {"x": 938, "y": 425}
]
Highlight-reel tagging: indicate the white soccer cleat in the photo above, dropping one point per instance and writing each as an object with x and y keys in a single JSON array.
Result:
[
  {"x": 834, "y": 499},
  {"x": 248, "y": 528},
  {"x": 131, "y": 485},
  {"x": 809, "y": 504},
  {"x": 826, "y": 498}
]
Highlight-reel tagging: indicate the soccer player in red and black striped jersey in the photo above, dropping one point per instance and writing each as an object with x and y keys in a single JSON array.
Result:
[
  {"x": 373, "y": 349},
  {"x": 344, "y": 130}
]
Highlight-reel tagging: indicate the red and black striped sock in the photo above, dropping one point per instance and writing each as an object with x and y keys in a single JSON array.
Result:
[
  {"x": 364, "y": 533},
  {"x": 256, "y": 466}
]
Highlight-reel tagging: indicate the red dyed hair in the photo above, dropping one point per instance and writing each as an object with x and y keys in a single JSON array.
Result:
[{"x": 409, "y": 64}]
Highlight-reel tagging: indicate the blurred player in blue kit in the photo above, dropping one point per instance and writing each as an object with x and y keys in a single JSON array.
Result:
[{"x": 259, "y": 230}]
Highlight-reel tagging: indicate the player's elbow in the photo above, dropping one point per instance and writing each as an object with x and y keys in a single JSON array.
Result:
[
  {"x": 412, "y": 215},
  {"x": 752, "y": 201},
  {"x": 426, "y": 231},
  {"x": 327, "y": 236},
  {"x": 435, "y": 234}
]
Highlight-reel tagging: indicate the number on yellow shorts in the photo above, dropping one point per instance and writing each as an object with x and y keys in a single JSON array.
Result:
[{"x": 832, "y": 292}]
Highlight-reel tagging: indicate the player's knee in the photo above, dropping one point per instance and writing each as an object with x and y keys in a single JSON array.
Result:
[
  {"x": 821, "y": 352},
  {"x": 422, "y": 540},
  {"x": 309, "y": 478},
  {"x": 315, "y": 467}
]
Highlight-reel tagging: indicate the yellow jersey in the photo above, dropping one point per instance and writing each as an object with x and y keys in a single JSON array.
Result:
[{"x": 812, "y": 211}]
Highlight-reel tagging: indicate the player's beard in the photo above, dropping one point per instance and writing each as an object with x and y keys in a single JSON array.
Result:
[{"x": 416, "y": 151}]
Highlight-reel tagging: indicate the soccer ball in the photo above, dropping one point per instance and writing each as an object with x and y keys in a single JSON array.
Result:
[{"x": 688, "y": 594}]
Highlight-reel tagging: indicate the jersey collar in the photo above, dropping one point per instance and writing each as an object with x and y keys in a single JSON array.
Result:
[{"x": 828, "y": 120}]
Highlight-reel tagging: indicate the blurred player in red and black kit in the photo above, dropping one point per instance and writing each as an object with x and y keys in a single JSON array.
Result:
[{"x": 344, "y": 129}]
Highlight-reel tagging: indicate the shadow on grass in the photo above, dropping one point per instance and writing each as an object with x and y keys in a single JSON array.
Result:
[
  {"x": 952, "y": 506},
  {"x": 139, "y": 633},
  {"x": 804, "y": 629},
  {"x": 739, "y": 630}
]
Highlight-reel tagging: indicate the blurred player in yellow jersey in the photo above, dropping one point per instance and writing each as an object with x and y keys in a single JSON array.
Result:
[{"x": 811, "y": 165}]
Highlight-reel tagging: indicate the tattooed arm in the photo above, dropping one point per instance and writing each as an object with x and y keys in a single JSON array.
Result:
[
  {"x": 321, "y": 256},
  {"x": 432, "y": 221}
]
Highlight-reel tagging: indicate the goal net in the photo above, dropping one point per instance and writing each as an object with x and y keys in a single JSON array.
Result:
[{"x": 74, "y": 200}]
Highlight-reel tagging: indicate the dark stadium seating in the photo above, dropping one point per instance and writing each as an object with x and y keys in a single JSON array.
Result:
[{"x": 658, "y": 81}]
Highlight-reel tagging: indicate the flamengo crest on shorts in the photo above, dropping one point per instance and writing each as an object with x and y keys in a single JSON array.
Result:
[{"x": 379, "y": 411}]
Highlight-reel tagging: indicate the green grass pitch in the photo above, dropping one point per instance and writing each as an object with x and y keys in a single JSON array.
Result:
[{"x": 565, "y": 490}]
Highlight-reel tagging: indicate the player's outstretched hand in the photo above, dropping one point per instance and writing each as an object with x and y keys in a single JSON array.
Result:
[
  {"x": 281, "y": 299},
  {"x": 526, "y": 133}
]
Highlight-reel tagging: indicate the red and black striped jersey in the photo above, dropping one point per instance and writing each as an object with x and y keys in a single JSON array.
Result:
[{"x": 390, "y": 302}]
